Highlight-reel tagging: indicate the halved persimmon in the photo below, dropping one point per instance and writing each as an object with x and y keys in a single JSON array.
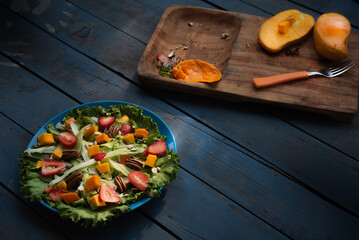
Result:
[{"x": 196, "y": 71}]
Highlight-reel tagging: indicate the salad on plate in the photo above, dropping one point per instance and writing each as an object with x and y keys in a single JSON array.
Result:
[{"x": 97, "y": 163}]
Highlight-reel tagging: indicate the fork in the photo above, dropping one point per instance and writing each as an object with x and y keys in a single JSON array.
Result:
[{"x": 329, "y": 72}]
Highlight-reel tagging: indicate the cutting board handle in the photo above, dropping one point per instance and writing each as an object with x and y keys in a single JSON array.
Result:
[{"x": 278, "y": 79}]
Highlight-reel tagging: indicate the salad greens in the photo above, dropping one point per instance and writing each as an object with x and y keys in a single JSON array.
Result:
[{"x": 37, "y": 186}]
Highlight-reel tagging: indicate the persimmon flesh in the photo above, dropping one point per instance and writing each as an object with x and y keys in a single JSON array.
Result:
[
  {"x": 196, "y": 71},
  {"x": 284, "y": 29}
]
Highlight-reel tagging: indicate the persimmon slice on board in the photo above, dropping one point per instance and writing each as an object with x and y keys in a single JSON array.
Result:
[{"x": 196, "y": 71}]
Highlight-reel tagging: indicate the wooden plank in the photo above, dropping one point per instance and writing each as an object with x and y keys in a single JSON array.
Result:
[
  {"x": 73, "y": 26},
  {"x": 269, "y": 8},
  {"x": 20, "y": 222},
  {"x": 16, "y": 82},
  {"x": 347, "y": 8},
  {"x": 306, "y": 159},
  {"x": 261, "y": 189},
  {"x": 342, "y": 136},
  {"x": 135, "y": 12},
  {"x": 148, "y": 12},
  {"x": 202, "y": 109},
  {"x": 194, "y": 189},
  {"x": 272, "y": 8}
]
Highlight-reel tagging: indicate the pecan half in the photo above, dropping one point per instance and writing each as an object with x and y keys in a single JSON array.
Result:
[
  {"x": 134, "y": 163},
  {"x": 113, "y": 130},
  {"x": 73, "y": 179},
  {"x": 70, "y": 154},
  {"x": 121, "y": 185}
]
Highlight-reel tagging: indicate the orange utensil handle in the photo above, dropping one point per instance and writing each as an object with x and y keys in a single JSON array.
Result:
[{"x": 277, "y": 79}]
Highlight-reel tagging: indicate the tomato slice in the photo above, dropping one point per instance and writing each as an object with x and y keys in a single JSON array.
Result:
[
  {"x": 51, "y": 167},
  {"x": 55, "y": 194},
  {"x": 67, "y": 139},
  {"x": 108, "y": 194},
  {"x": 138, "y": 179}
]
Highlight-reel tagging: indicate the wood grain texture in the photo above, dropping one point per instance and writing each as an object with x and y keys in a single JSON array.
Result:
[
  {"x": 229, "y": 210},
  {"x": 347, "y": 8},
  {"x": 19, "y": 91},
  {"x": 15, "y": 213},
  {"x": 250, "y": 223},
  {"x": 203, "y": 107},
  {"x": 336, "y": 97},
  {"x": 184, "y": 191},
  {"x": 341, "y": 136},
  {"x": 138, "y": 18},
  {"x": 86, "y": 33},
  {"x": 271, "y": 8},
  {"x": 261, "y": 190},
  {"x": 202, "y": 41}
]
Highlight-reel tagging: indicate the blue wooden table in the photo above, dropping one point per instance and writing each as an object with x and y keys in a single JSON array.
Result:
[{"x": 247, "y": 171}]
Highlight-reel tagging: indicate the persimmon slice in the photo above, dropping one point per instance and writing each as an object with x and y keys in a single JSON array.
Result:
[{"x": 196, "y": 71}]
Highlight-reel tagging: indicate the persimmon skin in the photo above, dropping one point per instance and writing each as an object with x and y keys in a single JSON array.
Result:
[
  {"x": 331, "y": 34},
  {"x": 194, "y": 70}
]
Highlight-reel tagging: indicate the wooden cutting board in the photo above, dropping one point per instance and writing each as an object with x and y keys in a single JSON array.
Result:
[{"x": 197, "y": 33}]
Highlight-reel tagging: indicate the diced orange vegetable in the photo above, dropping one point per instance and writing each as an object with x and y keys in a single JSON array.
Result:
[
  {"x": 93, "y": 150},
  {"x": 124, "y": 118},
  {"x": 88, "y": 133},
  {"x": 70, "y": 197},
  {"x": 92, "y": 183},
  {"x": 57, "y": 154},
  {"x": 67, "y": 122},
  {"x": 123, "y": 159},
  {"x": 103, "y": 168},
  {"x": 45, "y": 139},
  {"x": 47, "y": 190},
  {"x": 141, "y": 133},
  {"x": 39, "y": 164},
  {"x": 151, "y": 160},
  {"x": 196, "y": 71},
  {"x": 62, "y": 185},
  {"x": 102, "y": 138},
  {"x": 129, "y": 138},
  {"x": 95, "y": 200},
  {"x": 283, "y": 26}
]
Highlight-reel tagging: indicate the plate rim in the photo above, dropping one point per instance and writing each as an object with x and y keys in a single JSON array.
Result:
[{"x": 106, "y": 104}]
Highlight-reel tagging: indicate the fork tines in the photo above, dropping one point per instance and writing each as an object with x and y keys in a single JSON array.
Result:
[{"x": 342, "y": 67}]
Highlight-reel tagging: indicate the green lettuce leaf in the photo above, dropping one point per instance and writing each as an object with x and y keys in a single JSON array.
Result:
[
  {"x": 90, "y": 218},
  {"x": 167, "y": 172},
  {"x": 31, "y": 184},
  {"x": 51, "y": 129}
]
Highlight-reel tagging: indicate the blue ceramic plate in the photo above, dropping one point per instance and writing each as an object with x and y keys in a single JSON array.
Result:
[{"x": 162, "y": 127}]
